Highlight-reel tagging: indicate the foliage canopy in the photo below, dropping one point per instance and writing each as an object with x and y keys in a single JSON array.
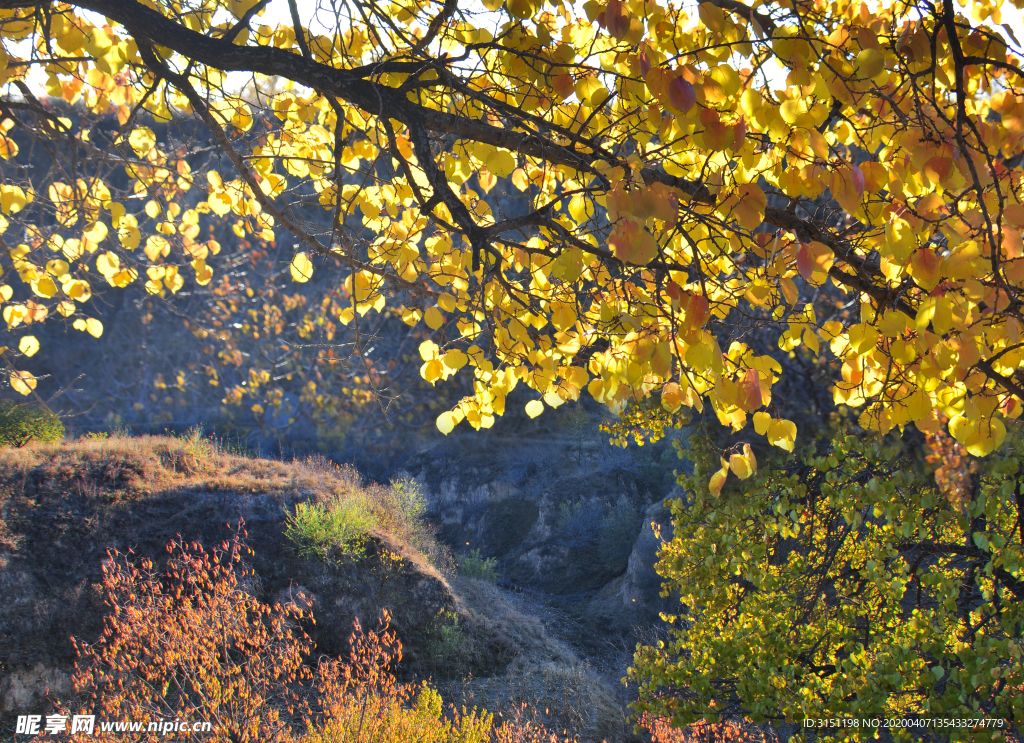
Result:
[
  {"x": 846, "y": 583},
  {"x": 845, "y": 175}
]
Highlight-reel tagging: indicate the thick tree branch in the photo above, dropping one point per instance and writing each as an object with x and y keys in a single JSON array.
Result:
[
  {"x": 348, "y": 85},
  {"x": 745, "y": 11}
]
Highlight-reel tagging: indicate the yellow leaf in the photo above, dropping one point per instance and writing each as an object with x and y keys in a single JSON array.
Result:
[
  {"x": 96, "y": 233},
  {"x": 899, "y": 237},
  {"x": 157, "y": 246},
  {"x": 28, "y": 345},
  {"x": 789, "y": 291},
  {"x": 123, "y": 278},
  {"x": 203, "y": 272},
  {"x": 12, "y": 199},
  {"x": 142, "y": 140},
  {"x": 552, "y": 398},
  {"x": 751, "y": 459},
  {"x": 520, "y": 179},
  {"x": 869, "y": 63},
  {"x": 672, "y": 397},
  {"x": 237, "y": 8},
  {"x": 128, "y": 233},
  {"x": 411, "y": 315},
  {"x": 563, "y": 316},
  {"x": 8, "y": 147},
  {"x": 78, "y": 290},
  {"x": 23, "y": 382},
  {"x": 116, "y": 212},
  {"x": 750, "y": 211},
  {"x": 534, "y": 408},
  {"x": 429, "y": 350},
  {"x": 580, "y": 209},
  {"x": 173, "y": 280},
  {"x": 740, "y": 466},
  {"x": 445, "y": 423},
  {"x": 433, "y": 318},
  {"x": 501, "y": 163},
  {"x": 94, "y": 327},
  {"x": 108, "y": 264},
  {"x": 220, "y": 203},
  {"x": 487, "y": 180},
  {"x": 718, "y": 479},
  {"x": 57, "y": 267},
  {"x": 455, "y": 359},
  {"x": 14, "y": 314},
  {"x": 782, "y": 433},
  {"x": 980, "y": 438},
  {"x": 44, "y": 287},
  {"x": 301, "y": 268}
]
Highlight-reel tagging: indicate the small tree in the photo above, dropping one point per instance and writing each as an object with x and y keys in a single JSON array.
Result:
[
  {"x": 190, "y": 643},
  {"x": 21, "y": 423}
]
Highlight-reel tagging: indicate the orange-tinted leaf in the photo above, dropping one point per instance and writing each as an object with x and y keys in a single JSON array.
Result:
[
  {"x": 631, "y": 243},
  {"x": 925, "y": 268},
  {"x": 750, "y": 391},
  {"x": 938, "y": 169},
  {"x": 681, "y": 94},
  {"x": 749, "y": 212}
]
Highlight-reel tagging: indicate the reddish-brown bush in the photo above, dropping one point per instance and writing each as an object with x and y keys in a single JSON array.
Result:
[{"x": 188, "y": 642}]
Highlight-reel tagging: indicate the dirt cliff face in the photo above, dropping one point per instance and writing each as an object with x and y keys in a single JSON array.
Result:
[
  {"x": 63, "y": 507},
  {"x": 559, "y": 512}
]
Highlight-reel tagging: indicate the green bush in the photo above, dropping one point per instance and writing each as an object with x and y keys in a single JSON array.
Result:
[
  {"x": 407, "y": 499},
  {"x": 316, "y": 529},
  {"x": 24, "y": 422},
  {"x": 475, "y": 566},
  {"x": 446, "y": 643},
  {"x": 401, "y": 508}
]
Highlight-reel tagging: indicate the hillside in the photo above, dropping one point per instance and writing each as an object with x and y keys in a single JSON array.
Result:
[{"x": 63, "y": 507}]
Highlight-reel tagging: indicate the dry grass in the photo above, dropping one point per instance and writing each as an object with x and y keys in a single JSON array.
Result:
[
  {"x": 135, "y": 467},
  {"x": 150, "y": 463}
]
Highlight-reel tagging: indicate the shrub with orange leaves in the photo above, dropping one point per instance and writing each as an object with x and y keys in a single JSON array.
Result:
[{"x": 189, "y": 642}]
